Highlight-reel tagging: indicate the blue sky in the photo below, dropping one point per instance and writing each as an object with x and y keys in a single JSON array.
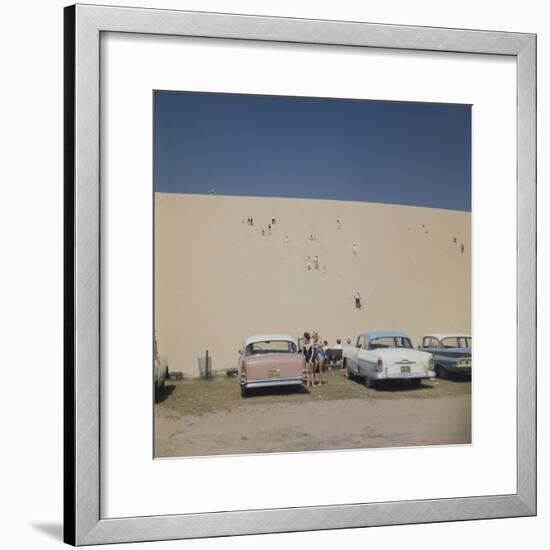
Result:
[{"x": 271, "y": 146}]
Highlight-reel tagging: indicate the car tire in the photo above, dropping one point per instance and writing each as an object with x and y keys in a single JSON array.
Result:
[
  {"x": 244, "y": 392},
  {"x": 369, "y": 382},
  {"x": 443, "y": 373}
]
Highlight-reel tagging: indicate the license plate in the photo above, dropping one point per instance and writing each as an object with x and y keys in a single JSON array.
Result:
[
  {"x": 405, "y": 369},
  {"x": 275, "y": 373}
]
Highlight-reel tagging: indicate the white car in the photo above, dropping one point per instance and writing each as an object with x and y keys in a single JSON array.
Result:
[
  {"x": 160, "y": 368},
  {"x": 387, "y": 356}
]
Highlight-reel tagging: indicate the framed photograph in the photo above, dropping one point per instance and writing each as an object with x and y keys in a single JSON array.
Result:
[{"x": 300, "y": 275}]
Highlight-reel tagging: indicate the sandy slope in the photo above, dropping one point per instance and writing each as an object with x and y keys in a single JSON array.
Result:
[{"x": 218, "y": 280}]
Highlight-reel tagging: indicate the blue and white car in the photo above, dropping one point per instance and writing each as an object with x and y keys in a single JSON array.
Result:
[
  {"x": 379, "y": 356},
  {"x": 452, "y": 353}
]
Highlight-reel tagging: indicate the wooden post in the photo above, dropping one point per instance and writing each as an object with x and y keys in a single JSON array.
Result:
[{"x": 206, "y": 369}]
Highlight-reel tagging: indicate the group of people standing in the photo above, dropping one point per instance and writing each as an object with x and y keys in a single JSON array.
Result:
[
  {"x": 250, "y": 221},
  {"x": 315, "y": 355},
  {"x": 315, "y": 264}
]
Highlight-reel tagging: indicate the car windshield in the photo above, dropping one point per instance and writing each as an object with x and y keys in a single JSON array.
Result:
[
  {"x": 272, "y": 346},
  {"x": 390, "y": 342},
  {"x": 457, "y": 342}
]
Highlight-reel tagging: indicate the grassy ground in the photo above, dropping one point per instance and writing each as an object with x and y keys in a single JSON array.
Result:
[{"x": 197, "y": 397}]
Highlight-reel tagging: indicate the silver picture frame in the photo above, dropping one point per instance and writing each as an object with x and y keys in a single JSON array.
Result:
[{"x": 83, "y": 524}]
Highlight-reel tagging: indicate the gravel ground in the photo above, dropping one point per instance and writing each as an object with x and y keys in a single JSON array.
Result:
[{"x": 208, "y": 417}]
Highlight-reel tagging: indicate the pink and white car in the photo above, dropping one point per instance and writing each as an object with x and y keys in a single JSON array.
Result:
[{"x": 270, "y": 360}]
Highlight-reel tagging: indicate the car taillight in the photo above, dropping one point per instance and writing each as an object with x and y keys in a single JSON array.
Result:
[
  {"x": 431, "y": 363},
  {"x": 380, "y": 365}
]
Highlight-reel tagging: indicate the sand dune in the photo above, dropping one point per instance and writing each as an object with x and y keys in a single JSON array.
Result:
[{"x": 218, "y": 280}]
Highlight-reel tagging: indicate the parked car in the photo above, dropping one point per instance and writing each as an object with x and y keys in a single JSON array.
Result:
[
  {"x": 452, "y": 353},
  {"x": 160, "y": 368},
  {"x": 270, "y": 360},
  {"x": 380, "y": 356}
]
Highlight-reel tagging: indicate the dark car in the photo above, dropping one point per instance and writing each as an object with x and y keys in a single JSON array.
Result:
[{"x": 452, "y": 353}]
